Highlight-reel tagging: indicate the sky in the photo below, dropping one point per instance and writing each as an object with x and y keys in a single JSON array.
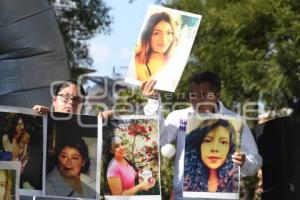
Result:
[{"x": 116, "y": 48}]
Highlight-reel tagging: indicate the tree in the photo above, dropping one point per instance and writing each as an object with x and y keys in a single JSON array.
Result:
[
  {"x": 79, "y": 21},
  {"x": 253, "y": 45}
]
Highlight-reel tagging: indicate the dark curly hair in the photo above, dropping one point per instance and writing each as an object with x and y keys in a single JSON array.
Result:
[{"x": 196, "y": 172}]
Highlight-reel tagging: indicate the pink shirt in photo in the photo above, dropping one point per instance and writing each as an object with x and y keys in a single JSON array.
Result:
[{"x": 126, "y": 173}]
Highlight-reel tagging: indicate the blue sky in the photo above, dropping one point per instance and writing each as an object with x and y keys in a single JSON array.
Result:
[{"x": 116, "y": 49}]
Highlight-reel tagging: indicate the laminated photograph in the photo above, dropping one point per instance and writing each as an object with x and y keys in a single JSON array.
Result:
[
  {"x": 72, "y": 160},
  {"x": 9, "y": 180},
  {"x": 22, "y": 137},
  {"x": 130, "y": 156},
  {"x": 208, "y": 169},
  {"x": 163, "y": 47}
]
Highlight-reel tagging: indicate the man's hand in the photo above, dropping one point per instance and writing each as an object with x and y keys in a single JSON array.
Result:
[
  {"x": 238, "y": 158},
  {"x": 40, "y": 109},
  {"x": 147, "y": 89},
  {"x": 106, "y": 114}
]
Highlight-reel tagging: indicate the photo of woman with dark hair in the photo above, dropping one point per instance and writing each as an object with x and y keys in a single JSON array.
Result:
[
  {"x": 9, "y": 180},
  {"x": 121, "y": 175},
  {"x": 16, "y": 139},
  {"x": 208, "y": 166},
  {"x": 22, "y": 140},
  {"x": 157, "y": 41},
  {"x": 130, "y": 156},
  {"x": 163, "y": 47},
  {"x": 71, "y": 161}
]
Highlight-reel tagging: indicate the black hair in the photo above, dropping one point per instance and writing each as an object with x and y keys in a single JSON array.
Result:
[
  {"x": 197, "y": 136},
  {"x": 12, "y": 128},
  {"x": 196, "y": 173},
  {"x": 59, "y": 86},
  {"x": 145, "y": 53},
  {"x": 207, "y": 77},
  {"x": 76, "y": 143}
]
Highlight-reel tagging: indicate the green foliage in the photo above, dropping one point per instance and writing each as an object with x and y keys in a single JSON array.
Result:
[
  {"x": 166, "y": 171},
  {"x": 130, "y": 102},
  {"x": 79, "y": 21},
  {"x": 253, "y": 45}
]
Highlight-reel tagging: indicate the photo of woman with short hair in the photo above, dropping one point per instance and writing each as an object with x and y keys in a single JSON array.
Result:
[{"x": 72, "y": 159}]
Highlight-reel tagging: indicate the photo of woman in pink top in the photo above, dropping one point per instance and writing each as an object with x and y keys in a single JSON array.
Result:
[{"x": 121, "y": 175}]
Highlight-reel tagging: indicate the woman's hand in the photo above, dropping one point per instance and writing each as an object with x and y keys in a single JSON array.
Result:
[
  {"x": 40, "y": 109},
  {"x": 147, "y": 185},
  {"x": 106, "y": 114},
  {"x": 147, "y": 89},
  {"x": 238, "y": 158},
  {"x": 15, "y": 150}
]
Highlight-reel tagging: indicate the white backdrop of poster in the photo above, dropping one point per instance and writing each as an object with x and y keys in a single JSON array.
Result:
[
  {"x": 210, "y": 142},
  {"x": 30, "y": 143},
  {"x": 163, "y": 58},
  {"x": 139, "y": 135},
  {"x": 11, "y": 170}
]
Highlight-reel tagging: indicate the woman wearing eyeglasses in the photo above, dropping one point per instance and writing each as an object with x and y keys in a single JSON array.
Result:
[{"x": 68, "y": 97}]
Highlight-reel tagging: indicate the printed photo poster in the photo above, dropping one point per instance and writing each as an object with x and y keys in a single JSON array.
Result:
[
  {"x": 72, "y": 158},
  {"x": 21, "y": 133},
  {"x": 9, "y": 180},
  {"x": 208, "y": 169},
  {"x": 130, "y": 158},
  {"x": 163, "y": 47}
]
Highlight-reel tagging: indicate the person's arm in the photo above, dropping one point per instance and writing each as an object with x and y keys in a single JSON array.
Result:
[
  {"x": 115, "y": 186},
  {"x": 167, "y": 129},
  {"x": 15, "y": 150},
  {"x": 253, "y": 161},
  {"x": 40, "y": 109},
  {"x": 6, "y": 143}
]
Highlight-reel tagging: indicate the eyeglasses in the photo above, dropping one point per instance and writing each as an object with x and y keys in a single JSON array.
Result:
[{"x": 66, "y": 98}]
